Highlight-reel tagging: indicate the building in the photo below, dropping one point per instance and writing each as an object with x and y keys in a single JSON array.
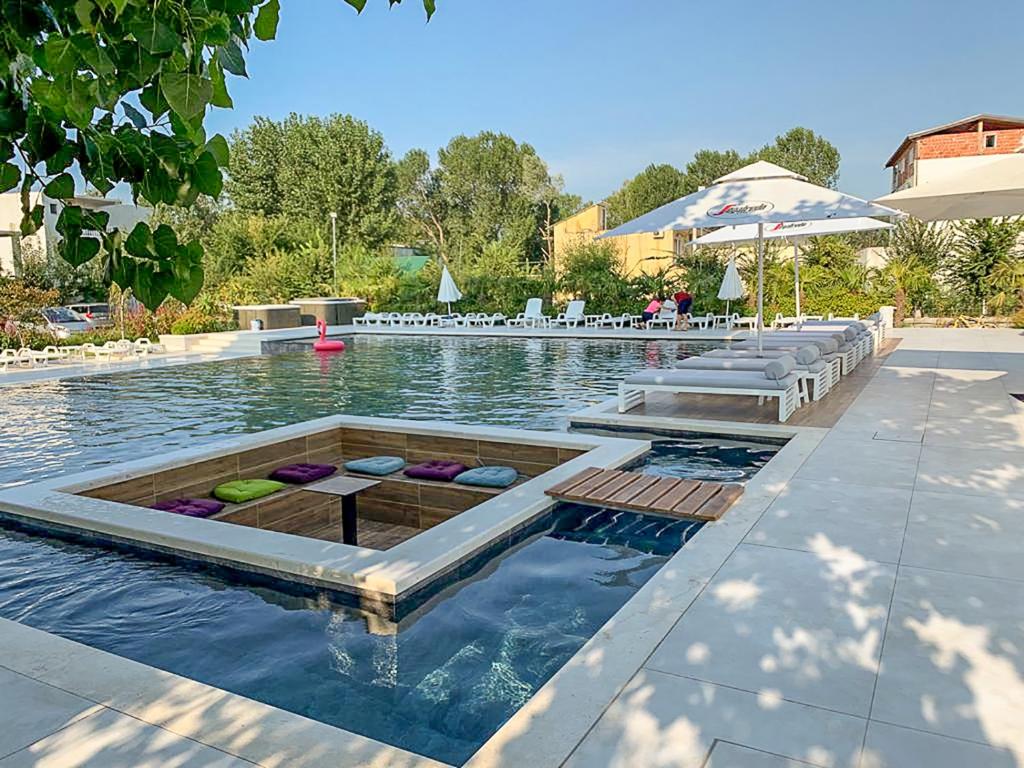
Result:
[
  {"x": 123, "y": 216},
  {"x": 954, "y": 147},
  {"x": 645, "y": 253}
]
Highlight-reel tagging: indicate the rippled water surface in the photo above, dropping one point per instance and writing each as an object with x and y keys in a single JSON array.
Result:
[
  {"x": 58, "y": 427},
  {"x": 440, "y": 685}
]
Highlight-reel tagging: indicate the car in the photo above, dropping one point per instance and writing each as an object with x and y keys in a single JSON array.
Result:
[
  {"x": 62, "y": 321},
  {"x": 99, "y": 314}
]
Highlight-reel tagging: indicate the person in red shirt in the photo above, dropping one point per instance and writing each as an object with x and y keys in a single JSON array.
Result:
[{"x": 683, "y": 303}]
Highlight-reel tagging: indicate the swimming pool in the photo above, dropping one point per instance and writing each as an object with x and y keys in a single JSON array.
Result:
[
  {"x": 59, "y": 427},
  {"x": 439, "y": 685}
]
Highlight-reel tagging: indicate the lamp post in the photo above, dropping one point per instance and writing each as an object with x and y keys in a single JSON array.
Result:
[{"x": 334, "y": 250}]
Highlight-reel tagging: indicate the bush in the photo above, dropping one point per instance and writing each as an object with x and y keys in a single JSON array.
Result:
[
  {"x": 1017, "y": 319},
  {"x": 595, "y": 273}
]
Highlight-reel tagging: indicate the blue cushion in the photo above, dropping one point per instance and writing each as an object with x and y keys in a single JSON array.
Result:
[
  {"x": 488, "y": 477},
  {"x": 376, "y": 465}
]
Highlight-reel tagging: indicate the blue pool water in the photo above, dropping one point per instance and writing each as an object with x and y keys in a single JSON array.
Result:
[
  {"x": 59, "y": 427},
  {"x": 439, "y": 686}
]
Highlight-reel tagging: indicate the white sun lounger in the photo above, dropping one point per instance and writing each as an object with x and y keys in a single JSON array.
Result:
[
  {"x": 832, "y": 361},
  {"x": 606, "y": 319},
  {"x": 814, "y": 375},
  {"x": 759, "y": 384},
  {"x": 572, "y": 316},
  {"x": 665, "y": 317},
  {"x": 532, "y": 317},
  {"x": 827, "y": 343}
]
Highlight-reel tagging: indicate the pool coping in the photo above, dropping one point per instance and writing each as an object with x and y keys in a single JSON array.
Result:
[{"x": 381, "y": 577}]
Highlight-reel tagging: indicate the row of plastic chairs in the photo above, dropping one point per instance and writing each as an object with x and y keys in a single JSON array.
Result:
[
  {"x": 30, "y": 358},
  {"x": 419, "y": 319}
]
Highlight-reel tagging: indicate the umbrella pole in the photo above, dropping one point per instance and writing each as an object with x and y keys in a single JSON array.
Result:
[
  {"x": 796, "y": 277},
  {"x": 760, "y": 287}
]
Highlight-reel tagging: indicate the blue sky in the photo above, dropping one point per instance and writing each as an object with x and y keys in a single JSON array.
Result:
[{"x": 602, "y": 88}]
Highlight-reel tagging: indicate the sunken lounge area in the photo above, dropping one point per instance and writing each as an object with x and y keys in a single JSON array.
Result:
[{"x": 381, "y": 537}]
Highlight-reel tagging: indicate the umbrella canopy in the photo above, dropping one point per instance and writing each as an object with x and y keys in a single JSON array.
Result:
[
  {"x": 732, "y": 284},
  {"x": 790, "y": 230},
  {"x": 760, "y": 193},
  {"x": 448, "y": 292},
  {"x": 987, "y": 191}
]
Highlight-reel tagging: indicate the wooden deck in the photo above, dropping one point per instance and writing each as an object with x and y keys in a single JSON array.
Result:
[{"x": 648, "y": 493}]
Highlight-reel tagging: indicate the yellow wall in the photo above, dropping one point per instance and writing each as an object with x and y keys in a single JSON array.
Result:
[{"x": 641, "y": 253}]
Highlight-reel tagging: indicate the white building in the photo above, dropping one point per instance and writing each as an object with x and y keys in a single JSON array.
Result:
[{"x": 122, "y": 216}]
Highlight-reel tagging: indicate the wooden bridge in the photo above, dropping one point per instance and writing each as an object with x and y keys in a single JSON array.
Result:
[{"x": 640, "y": 492}]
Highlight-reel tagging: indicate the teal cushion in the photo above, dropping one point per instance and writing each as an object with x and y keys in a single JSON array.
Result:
[
  {"x": 238, "y": 491},
  {"x": 488, "y": 477},
  {"x": 376, "y": 465}
]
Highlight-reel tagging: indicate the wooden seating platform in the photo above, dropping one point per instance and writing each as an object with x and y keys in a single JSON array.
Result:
[{"x": 639, "y": 492}]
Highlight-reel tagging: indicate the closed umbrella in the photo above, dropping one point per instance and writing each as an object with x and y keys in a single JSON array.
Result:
[
  {"x": 762, "y": 194},
  {"x": 793, "y": 231},
  {"x": 448, "y": 291},
  {"x": 732, "y": 285}
]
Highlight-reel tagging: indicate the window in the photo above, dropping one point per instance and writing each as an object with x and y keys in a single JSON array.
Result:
[
  {"x": 990, "y": 141},
  {"x": 53, "y": 208}
]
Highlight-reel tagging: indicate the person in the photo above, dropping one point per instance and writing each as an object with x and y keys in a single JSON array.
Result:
[
  {"x": 684, "y": 300},
  {"x": 652, "y": 309}
]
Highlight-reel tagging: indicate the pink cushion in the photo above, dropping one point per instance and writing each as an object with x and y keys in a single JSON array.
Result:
[
  {"x": 438, "y": 469},
  {"x": 302, "y": 473},
  {"x": 190, "y": 507}
]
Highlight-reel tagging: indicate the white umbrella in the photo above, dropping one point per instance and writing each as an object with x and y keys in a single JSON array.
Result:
[
  {"x": 448, "y": 292},
  {"x": 760, "y": 193},
  {"x": 793, "y": 231},
  {"x": 732, "y": 285},
  {"x": 986, "y": 191}
]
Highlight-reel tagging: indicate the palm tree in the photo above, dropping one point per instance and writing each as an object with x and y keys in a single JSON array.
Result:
[
  {"x": 906, "y": 276},
  {"x": 1007, "y": 283}
]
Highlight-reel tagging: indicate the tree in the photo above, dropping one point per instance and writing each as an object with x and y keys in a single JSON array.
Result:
[
  {"x": 980, "y": 246},
  {"x": 119, "y": 89},
  {"x": 306, "y": 168},
  {"x": 421, "y": 205},
  {"x": 929, "y": 243},
  {"x": 908, "y": 277},
  {"x": 710, "y": 164},
  {"x": 804, "y": 152},
  {"x": 552, "y": 201},
  {"x": 651, "y": 188}
]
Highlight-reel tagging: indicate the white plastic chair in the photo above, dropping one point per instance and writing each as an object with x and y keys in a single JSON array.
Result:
[
  {"x": 572, "y": 316},
  {"x": 532, "y": 317}
]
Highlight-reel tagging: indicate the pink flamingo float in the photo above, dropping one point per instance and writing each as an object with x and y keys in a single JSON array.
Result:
[{"x": 324, "y": 344}]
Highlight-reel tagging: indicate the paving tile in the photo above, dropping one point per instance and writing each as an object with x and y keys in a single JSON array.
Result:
[
  {"x": 971, "y": 471},
  {"x": 672, "y": 722},
  {"x": 726, "y": 755},
  {"x": 968, "y": 534},
  {"x": 30, "y": 710},
  {"x": 953, "y": 661},
  {"x": 810, "y": 515},
  {"x": 109, "y": 739},
  {"x": 888, "y": 746},
  {"x": 873, "y": 462},
  {"x": 806, "y": 626}
]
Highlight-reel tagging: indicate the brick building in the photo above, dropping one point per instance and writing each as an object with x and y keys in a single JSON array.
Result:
[{"x": 954, "y": 147}]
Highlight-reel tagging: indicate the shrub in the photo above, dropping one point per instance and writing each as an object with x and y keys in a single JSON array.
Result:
[{"x": 595, "y": 273}]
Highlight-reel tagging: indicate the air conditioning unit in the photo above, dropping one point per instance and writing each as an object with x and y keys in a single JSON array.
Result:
[{"x": 658, "y": 235}]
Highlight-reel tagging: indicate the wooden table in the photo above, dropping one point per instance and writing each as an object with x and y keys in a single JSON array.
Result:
[{"x": 346, "y": 487}]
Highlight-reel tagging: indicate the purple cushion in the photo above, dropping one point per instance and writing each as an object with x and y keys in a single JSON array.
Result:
[
  {"x": 190, "y": 507},
  {"x": 438, "y": 469},
  {"x": 302, "y": 473}
]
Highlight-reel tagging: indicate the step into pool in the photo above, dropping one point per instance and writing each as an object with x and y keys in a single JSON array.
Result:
[{"x": 439, "y": 683}]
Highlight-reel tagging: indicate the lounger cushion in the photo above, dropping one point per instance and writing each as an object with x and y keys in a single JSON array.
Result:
[
  {"x": 302, "y": 473},
  {"x": 437, "y": 469},
  {"x": 779, "y": 368},
  {"x": 488, "y": 477},
  {"x": 807, "y": 355},
  {"x": 190, "y": 507},
  {"x": 238, "y": 491},
  {"x": 376, "y": 465},
  {"x": 672, "y": 377},
  {"x": 788, "y": 342}
]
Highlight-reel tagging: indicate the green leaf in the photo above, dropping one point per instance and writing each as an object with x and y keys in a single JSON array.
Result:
[
  {"x": 429, "y": 7},
  {"x": 60, "y": 188},
  {"x": 357, "y": 4},
  {"x": 150, "y": 285},
  {"x": 153, "y": 35},
  {"x": 166, "y": 242},
  {"x": 119, "y": 6},
  {"x": 188, "y": 95},
  {"x": 186, "y": 290},
  {"x": 221, "y": 98},
  {"x": 60, "y": 161},
  {"x": 138, "y": 119},
  {"x": 230, "y": 57},
  {"x": 76, "y": 251},
  {"x": 44, "y": 138},
  {"x": 265, "y": 26},
  {"x": 10, "y": 175},
  {"x": 218, "y": 147},
  {"x": 206, "y": 175},
  {"x": 33, "y": 220},
  {"x": 139, "y": 242},
  {"x": 60, "y": 55}
]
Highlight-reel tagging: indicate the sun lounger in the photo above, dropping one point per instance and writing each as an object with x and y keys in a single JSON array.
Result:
[
  {"x": 143, "y": 346},
  {"x": 778, "y": 380},
  {"x": 789, "y": 342},
  {"x": 665, "y": 317},
  {"x": 532, "y": 317},
  {"x": 606, "y": 319},
  {"x": 813, "y": 372},
  {"x": 368, "y": 318},
  {"x": 832, "y": 361},
  {"x": 703, "y": 321},
  {"x": 572, "y": 316}
]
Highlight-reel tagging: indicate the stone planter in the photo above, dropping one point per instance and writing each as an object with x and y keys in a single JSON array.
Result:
[
  {"x": 271, "y": 315},
  {"x": 332, "y": 310}
]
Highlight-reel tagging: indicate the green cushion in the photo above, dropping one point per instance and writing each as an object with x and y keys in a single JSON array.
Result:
[{"x": 238, "y": 491}]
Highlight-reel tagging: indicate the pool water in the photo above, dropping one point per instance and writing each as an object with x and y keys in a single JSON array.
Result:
[
  {"x": 439, "y": 686},
  {"x": 58, "y": 427},
  {"x": 723, "y": 461}
]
